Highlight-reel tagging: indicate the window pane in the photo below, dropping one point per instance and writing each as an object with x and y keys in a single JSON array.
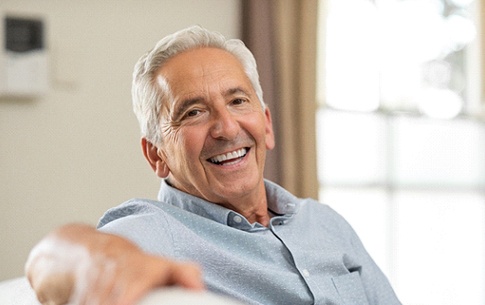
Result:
[
  {"x": 351, "y": 59},
  {"x": 422, "y": 62},
  {"x": 351, "y": 147},
  {"x": 438, "y": 153},
  {"x": 367, "y": 212},
  {"x": 439, "y": 247},
  {"x": 395, "y": 64}
]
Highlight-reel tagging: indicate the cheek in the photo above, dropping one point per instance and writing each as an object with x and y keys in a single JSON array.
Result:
[
  {"x": 172, "y": 147},
  {"x": 173, "y": 136},
  {"x": 188, "y": 143},
  {"x": 256, "y": 126}
]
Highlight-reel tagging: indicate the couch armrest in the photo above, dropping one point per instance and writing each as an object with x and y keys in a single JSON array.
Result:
[
  {"x": 18, "y": 292},
  {"x": 181, "y": 296}
]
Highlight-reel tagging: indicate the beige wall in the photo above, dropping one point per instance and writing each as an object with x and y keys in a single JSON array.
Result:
[{"x": 73, "y": 153}]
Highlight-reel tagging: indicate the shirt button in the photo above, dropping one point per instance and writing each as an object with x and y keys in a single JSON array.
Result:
[
  {"x": 305, "y": 273},
  {"x": 237, "y": 219},
  {"x": 290, "y": 207}
]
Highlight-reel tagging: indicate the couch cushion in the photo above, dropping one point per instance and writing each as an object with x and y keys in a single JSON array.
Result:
[{"x": 17, "y": 292}]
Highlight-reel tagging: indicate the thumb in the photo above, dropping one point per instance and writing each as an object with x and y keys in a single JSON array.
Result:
[{"x": 188, "y": 275}]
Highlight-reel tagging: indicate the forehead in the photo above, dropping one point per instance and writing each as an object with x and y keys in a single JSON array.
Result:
[{"x": 199, "y": 68}]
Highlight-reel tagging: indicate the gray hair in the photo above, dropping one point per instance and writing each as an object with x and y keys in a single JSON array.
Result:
[{"x": 148, "y": 95}]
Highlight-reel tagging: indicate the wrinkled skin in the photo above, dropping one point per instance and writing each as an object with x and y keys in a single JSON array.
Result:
[{"x": 213, "y": 113}]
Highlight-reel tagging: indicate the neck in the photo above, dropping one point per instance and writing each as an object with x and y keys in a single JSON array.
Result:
[
  {"x": 262, "y": 218},
  {"x": 253, "y": 207},
  {"x": 260, "y": 214}
]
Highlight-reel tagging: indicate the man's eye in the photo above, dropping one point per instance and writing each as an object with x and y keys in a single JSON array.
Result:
[
  {"x": 238, "y": 101},
  {"x": 193, "y": 112}
]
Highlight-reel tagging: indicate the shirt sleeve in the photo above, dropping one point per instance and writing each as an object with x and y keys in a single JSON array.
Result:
[
  {"x": 142, "y": 223},
  {"x": 376, "y": 285}
]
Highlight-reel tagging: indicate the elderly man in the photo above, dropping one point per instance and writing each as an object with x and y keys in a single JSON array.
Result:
[{"x": 205, "y": 132}]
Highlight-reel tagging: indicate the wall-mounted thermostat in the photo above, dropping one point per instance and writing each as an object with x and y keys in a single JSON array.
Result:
[{"x": 23, "y": 56}]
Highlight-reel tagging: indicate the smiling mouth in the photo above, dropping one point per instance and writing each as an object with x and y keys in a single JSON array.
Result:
[{"x": 230, "y": 157}]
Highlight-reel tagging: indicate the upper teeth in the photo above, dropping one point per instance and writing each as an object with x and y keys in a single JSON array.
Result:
[{"x": 230, "y": 155}]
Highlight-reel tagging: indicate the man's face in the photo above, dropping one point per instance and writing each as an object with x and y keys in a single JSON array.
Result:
[{"x": 215, "y": 132}]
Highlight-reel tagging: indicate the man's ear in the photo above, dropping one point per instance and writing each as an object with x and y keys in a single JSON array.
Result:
[
  {"x": 270, "y": 140},
  {"x": 150, "y": 151}
]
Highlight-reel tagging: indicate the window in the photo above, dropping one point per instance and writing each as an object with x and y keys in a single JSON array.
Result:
[{"x": 401, "y": 142}]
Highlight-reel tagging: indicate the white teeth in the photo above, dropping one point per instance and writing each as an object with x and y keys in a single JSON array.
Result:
[{"x": 230, "y": 155}]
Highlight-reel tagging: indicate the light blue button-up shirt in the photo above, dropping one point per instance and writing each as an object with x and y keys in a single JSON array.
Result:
[{"x": 307, "y": 255}]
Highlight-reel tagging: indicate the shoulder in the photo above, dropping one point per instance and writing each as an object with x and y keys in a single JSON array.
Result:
[
  {"x": 144, "y": 222},
  {"x": 129, "y": 208},
  {"x": 324, "y": 217}
]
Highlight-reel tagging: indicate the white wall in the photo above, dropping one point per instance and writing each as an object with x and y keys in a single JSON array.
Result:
[{"x": 73, "y": 153}]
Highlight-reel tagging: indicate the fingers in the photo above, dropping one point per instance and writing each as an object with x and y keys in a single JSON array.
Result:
[
  {"x": 55, "y": 289},
  {"x": 153, "y": 272},
  {"x": 50, "y": 270},
  {"x": 131, "y": 276},
  {"x": 95, "y": 284},
  {"x": 187, "y": 275}
]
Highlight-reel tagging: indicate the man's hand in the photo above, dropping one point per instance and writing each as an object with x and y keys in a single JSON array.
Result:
[{"x": 79, "y": 265}]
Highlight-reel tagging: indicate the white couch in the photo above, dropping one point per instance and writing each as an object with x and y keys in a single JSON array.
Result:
[{"x": 18, "y": 292}]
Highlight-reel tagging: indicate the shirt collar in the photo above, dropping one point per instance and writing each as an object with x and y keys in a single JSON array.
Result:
[{"x": 280, "y": 203}]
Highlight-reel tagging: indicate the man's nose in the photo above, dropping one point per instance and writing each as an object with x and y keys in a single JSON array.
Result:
[{"x": 224, "y": 125}]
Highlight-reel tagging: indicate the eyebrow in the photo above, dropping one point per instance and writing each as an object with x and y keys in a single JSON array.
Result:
[
  {"x": 180, "y": 108},
  {"x": 236, "y": 90}
]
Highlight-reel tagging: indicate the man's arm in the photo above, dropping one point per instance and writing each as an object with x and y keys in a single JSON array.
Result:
[{"x": 78, "y": 264}]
